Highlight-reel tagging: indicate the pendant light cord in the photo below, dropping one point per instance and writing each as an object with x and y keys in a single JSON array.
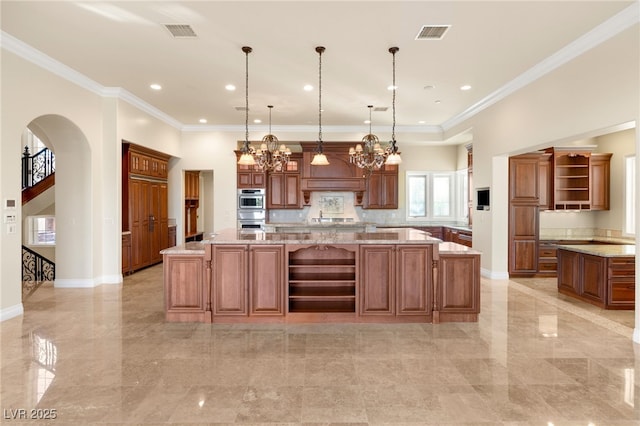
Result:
[{"x": 319, "y": 49}]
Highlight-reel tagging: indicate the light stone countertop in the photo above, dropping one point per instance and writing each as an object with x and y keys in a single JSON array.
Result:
[
  {"x": 602, "y": 250},
  {"x": 378, "y": 236},
  {"x": 455, "y": 248}
]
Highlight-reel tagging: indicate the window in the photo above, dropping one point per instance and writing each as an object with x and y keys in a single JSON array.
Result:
[
  {"x": 630, "y": 195},
  {"x": 41, "y": 230},
  {"x": 436, "y": 195}
]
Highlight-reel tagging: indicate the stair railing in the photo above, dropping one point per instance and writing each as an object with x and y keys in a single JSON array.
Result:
[
  {"x": 36, "y": 270},
  {"x": 37, "y": 167}
]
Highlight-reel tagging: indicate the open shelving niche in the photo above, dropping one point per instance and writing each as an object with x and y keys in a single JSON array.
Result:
[
  {"x": 572, "y": 182},
  {"x": 322, "y": 279}
]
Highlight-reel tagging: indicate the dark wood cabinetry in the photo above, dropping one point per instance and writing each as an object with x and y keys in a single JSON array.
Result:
[
  {"x": 322, "y": 278},
  {"x": 186, "y": 288},
  {"x": 574, "y": 179},
  {"x": 283, "y": 187},
  {"x": 382, "y": 188},
  {"x": 247, "y": 280},
  {"x": 458, "y": 291},
  {"x": 249, "y": 176},
  {"x": 126, "y": 252},
  {"x": 191, "y": 204},
  {"x": 145, "y": 203},
  {"x": 523, "y": 214},
  {"x": 600, "y": 180},
  {"x": 607, "y": 282},
  {"x": 395, "y": 280}
]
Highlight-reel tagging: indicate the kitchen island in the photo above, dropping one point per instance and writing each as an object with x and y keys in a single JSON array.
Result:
[
  {"x": 600, "y": 274},
  {"x": 385, "y": 275}
]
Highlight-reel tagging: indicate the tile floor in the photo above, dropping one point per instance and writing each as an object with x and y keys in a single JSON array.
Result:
[{"x": 105, "y": 356}]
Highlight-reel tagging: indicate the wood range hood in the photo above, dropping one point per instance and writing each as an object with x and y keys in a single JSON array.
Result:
[{"x": 339, "y": 175}]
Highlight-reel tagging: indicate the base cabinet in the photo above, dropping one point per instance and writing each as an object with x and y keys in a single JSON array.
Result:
[
  {"x": 607, "y": 282},
  {"x": 185, "y": 288},
  {"x": 458, "y": 291},
  {"x": 248, "y": 280},
  {"x": 395, "y": 280}
]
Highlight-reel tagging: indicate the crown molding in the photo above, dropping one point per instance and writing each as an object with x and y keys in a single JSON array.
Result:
[
  {"x": 196, "y": 128},
  {"x": 609, "y": 28}
]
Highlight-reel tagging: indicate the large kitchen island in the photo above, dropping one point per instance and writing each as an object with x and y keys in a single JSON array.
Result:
[{"x": 377, "y": 275}]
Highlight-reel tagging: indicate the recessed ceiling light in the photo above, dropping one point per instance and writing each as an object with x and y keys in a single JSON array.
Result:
[
  {"x": 465, "y": 87},
  {"x": 308, "y": 87},
  {"x": 203, "y": 120},
  {"x": 367, "y": 121},
  {"x": 230, "y": 87},
  {"x": 155, "y": 86},
  {"x": 391, "y": 87},
  {"x": 438, "y": 101},
  {"x": 421, "y": 122},
  {"x": 429, "y": 87},
  {"x": 257, "y": 121}
]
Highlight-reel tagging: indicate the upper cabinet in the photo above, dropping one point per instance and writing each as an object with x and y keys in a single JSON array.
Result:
[
  {"x": 382, "y": 188},
  {"x": 574, "y": 179},
  {"x": 283, "y": 186},
  {"x": 250, "y": 176}
]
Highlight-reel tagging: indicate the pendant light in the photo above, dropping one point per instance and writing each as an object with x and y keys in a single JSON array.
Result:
[
  {"x": 393, "y": 157},
  {"x": 246, "y": 159},
  {"x": 319, "y": 159},
  {"x": 272, "y": 156}
]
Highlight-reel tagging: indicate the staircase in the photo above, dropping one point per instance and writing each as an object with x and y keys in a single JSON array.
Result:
[{"x": 38, "y": 175}]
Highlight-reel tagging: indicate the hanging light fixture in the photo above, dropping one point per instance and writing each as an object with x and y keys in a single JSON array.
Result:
[
  {"x": 272, "y": 155},
  {"x": 368, "y": 155},
  {"x": 319, "y": 159},
  {"x": 246, "y": 158},
  {"x": 393, "y": 156}
]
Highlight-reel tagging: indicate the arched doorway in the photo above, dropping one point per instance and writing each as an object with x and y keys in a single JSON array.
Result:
[{"x": 72, "y": 201}]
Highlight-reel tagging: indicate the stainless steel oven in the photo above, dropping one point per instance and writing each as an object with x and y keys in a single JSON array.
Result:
[
  {"x": 252, "y": 214},
  {"x": 251, "y": 199}
]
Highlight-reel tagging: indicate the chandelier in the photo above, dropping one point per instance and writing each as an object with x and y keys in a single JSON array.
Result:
[
  {"x": 393, "y": 156},
  {"x": 319, "y": 159},
  {"x": 368, "y": 155},
  {"x": 272, "y": 155},
  {"x": 246, "y": 159}
]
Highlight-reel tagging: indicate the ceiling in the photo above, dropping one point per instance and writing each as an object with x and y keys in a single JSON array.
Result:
[{"x": 126, "y": 45}]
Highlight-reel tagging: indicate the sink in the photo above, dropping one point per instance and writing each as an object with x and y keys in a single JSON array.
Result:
[{"x": 331, "y": 219}]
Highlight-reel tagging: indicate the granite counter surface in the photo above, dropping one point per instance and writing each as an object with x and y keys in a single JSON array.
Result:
[
  {"x": 377, "y": 236},
  {"x": 602, "y": 250}
]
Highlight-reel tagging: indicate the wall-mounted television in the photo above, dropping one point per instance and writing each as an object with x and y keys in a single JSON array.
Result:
[{"x": 483, "y": 199}]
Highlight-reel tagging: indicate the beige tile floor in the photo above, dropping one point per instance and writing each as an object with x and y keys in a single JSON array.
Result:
[{"x": 105, "y": 356}]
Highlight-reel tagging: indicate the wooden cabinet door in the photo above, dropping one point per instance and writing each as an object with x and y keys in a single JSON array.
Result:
[
  {"x": 158, "y": 231},
  {"x": 568, "y": 271},
  {"x": 593, "y": 271},
  {"x": 545, "y": 178},
  {"x": 382, "y": 189},
  {"x": 292, "y": 191},
  {"x": 230, "y": 279},
  {"x": 186, "y": 292},
  {"x": 414, "y": 286},
  {"x": 266, "y": 277},
  {"x": 600, "y": 181},
  {"x": 459, "y": 283},
  {"x": 377, "y": 279},
  {"x": 523, "y": 178},
  {"x": 275, "y": 191},
  {"x": 523, "y": 230}
]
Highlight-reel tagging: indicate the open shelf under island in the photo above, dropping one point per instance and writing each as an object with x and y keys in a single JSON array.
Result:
[{"x": 384, "y": 275}]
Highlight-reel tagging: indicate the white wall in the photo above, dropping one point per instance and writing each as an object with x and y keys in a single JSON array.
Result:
[{"x": 592, "y": 92}]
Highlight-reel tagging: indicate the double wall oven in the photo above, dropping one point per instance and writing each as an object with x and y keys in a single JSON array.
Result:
[{"x": 252, "y": 213}]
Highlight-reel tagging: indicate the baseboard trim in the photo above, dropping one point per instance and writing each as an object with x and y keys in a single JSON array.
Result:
[
  {"x": 486, "y": 273},
  {"x": 74, "y": 283},
  {"x": 109, "y": 279},
  {"x": 11, "y": 312}
]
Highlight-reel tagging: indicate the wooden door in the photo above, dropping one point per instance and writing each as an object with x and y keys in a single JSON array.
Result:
[
  {"x": 230, "y": 279},
  {"x": 414, "y": 283},
  {"x": 568, "y": 272},
  {"x": 155, "y": 234},
  {"x": 377, "y": 279},
  {"x": 593, "y": 270},
  {"x": 266, "y": 277},
  {"x": 600, "y": 181}
]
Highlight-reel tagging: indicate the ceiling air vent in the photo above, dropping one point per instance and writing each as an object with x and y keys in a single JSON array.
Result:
[
  {"x": 381, "y": 109},
  {"x": 181, "y": 30},
  {"x": 241, "y": 108},
  {"x": 432, "y": 32}
]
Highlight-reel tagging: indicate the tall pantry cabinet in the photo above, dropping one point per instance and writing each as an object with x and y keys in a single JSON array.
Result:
[{"x": 145, "y": 203}]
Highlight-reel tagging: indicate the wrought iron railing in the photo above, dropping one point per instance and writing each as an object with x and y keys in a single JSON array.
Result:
[
  {"x": 37, "y": 167},
  {"x": 36, "y": 270}
]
